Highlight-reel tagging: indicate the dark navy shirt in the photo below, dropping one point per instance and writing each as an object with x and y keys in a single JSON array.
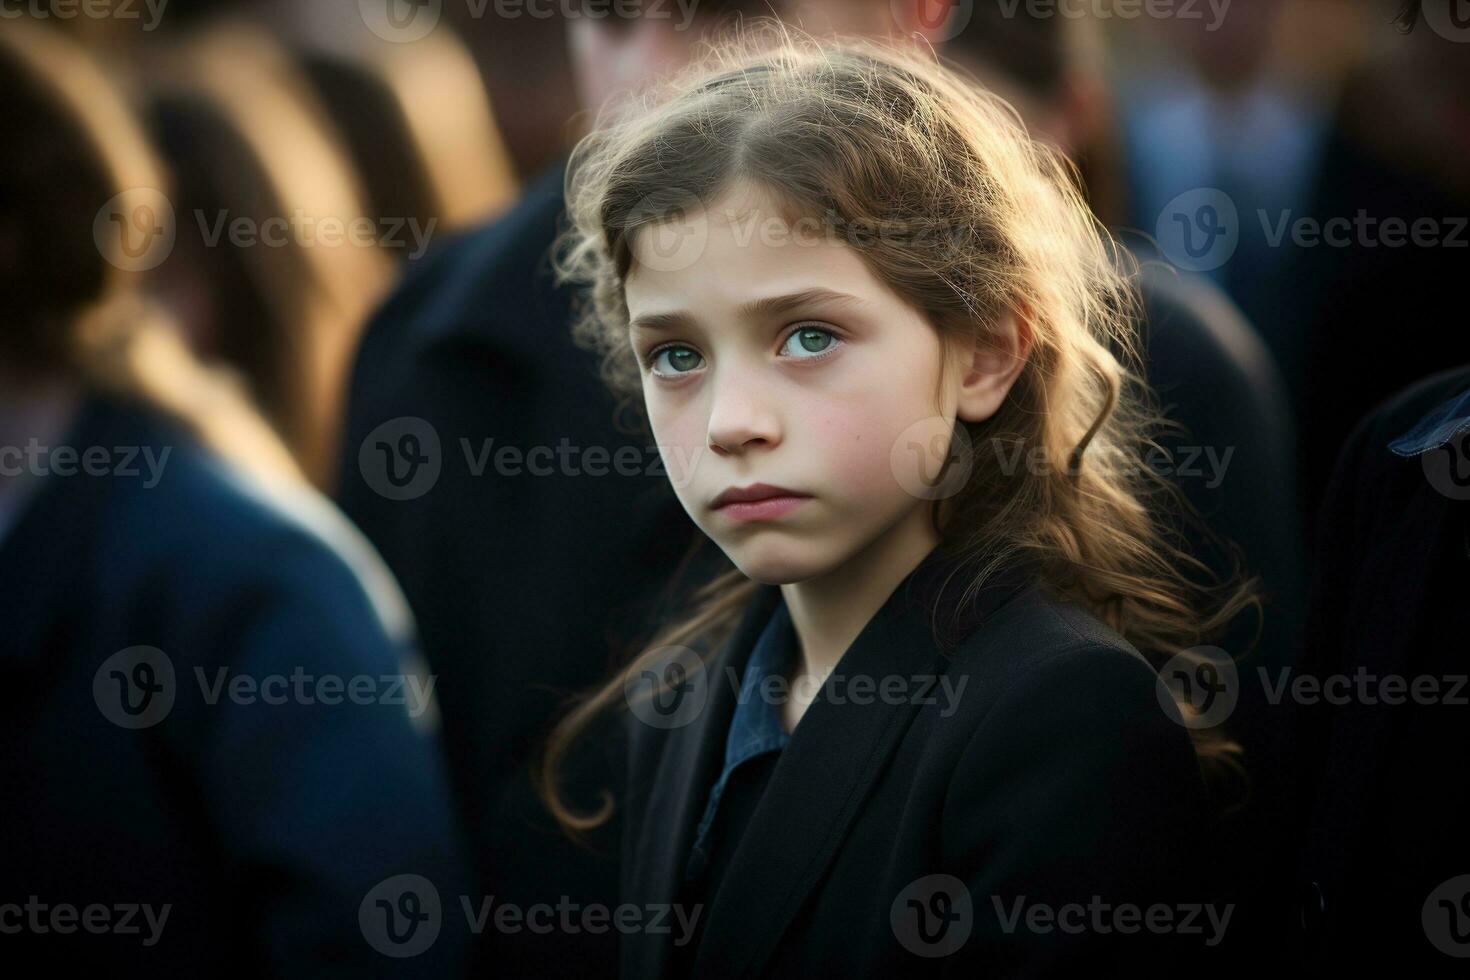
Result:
[{"x": 752, "y": 745}]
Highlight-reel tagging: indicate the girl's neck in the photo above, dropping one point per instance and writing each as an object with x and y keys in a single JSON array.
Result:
[{"x": 828, "y": 612}]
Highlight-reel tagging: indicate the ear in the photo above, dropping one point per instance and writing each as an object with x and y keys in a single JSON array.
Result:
[
  {"x": 993, "y": 365},
  {"x": 930, "y": 19}
]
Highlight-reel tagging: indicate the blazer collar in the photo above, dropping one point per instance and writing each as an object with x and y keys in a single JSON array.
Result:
[{"x": 818, "y": 787}]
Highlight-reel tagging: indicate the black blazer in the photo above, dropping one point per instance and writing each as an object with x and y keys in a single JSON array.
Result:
[{"x": 1060, "y": 776}]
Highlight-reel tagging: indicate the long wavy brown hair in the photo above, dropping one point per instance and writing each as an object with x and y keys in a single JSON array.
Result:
[{"x": 979, "y": 220}]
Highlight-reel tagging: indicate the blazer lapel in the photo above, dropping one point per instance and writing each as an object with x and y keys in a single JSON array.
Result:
[
  {"x": 825, "y": 774},
  {"x": 817, "y": 789},
  {"x": 689, "y": 764}
]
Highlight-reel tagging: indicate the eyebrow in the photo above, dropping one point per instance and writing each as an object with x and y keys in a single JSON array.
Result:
[{"x": 758, "y": 309}]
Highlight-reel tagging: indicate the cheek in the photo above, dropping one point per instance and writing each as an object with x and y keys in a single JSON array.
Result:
[
  {"x": 857, "y": 433},
  {"x": 853, "y": 441},
  {"x": 680, "y": 438}
]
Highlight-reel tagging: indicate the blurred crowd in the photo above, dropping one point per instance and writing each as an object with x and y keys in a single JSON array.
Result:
[
  {"x": 220, "y": 208},
  {"x": 271, "y": 128}
]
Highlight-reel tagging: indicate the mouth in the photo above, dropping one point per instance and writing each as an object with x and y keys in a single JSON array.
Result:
[{"x": 760, "y": 501}]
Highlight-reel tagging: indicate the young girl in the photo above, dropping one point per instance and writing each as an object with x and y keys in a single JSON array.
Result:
[{"x": 886, "y": 354}]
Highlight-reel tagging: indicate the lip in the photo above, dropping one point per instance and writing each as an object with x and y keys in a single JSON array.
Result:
[
  {"x": 758, "y": 501},
  {"x": 767, "y": 509}
]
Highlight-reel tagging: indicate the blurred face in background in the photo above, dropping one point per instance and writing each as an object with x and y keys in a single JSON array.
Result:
[{"x": 611, "y": 55}]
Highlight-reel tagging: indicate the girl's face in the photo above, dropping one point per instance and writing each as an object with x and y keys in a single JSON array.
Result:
[{"x": 771, "y": 354}]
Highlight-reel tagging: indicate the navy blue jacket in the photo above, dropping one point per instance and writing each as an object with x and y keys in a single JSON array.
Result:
[{"x": 158, "y": 751}]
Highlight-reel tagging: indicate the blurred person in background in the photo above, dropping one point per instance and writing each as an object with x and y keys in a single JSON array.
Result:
[
  {"x": 193, "y": 790},
  {"x": 422, "y": 155},
  {"x": 1216, "y": 379},
  {"x": 530, "y": 525},
  {"x": 1379, "y": 882},
  {"x": 1379, "y": 879},
  {"x": 271, "y": 273},
  {"x": 1333, "y": 136},
  {"x": 1215, "y": 103},
  {"x": 1392, "y": 201}
]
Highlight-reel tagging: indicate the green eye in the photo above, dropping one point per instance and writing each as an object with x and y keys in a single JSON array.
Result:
[
  {"x": 809, "y": 342},
  {"x": 681, "y": 360}
]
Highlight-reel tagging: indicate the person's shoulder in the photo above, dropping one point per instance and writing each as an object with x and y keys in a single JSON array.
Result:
[
  {"x": 456, "y": 286},
  {"x": 1191, "y": 327},
  {"x": 1368, "y": 464},
  {"x": 1406, "y": 409},
  {"x": 221, "y": 535},
  {"x": 1063, "y": 720},
  {"x": 1040, "y": 638},
  {"x": 1046, "y": 673}
]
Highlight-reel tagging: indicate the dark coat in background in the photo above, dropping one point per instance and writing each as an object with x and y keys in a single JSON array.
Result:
[
  {"x": 527, "y": 577},
  {"x": 1235, "y": 463},
  {"x": 269, "y": 820},
  {"x": 1383, "y": 795}
]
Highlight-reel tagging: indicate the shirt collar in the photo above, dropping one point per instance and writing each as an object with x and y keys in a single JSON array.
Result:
[
  {"x": 1444, "y": 423},
  {"x": 755, "y": 726}
]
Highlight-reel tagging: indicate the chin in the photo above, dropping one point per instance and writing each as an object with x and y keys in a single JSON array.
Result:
[{"x": 777, "y": 563}]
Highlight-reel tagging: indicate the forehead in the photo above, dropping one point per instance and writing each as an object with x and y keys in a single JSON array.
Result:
[{"x": 743, "y": 244}]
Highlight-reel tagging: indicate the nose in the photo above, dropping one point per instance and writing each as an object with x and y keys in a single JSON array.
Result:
[{"x": 741, "y": 415}]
